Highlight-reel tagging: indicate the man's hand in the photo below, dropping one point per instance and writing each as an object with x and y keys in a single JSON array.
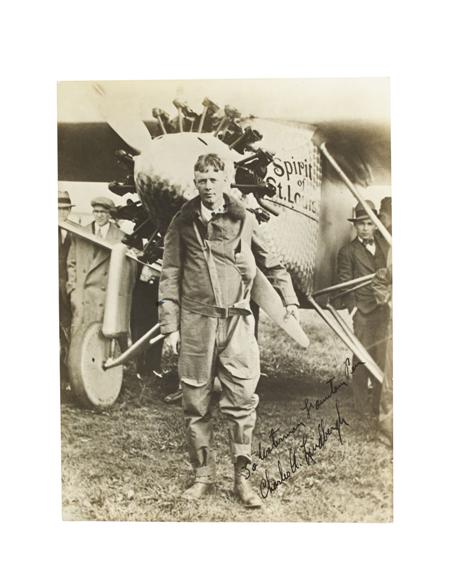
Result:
[
  {"x": 292, "y": 311},
  {"x": 172, "y": 342}
]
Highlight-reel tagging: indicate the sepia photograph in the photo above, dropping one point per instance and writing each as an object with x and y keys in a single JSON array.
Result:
[
  {"x": 209, "y": 391},
  {"x": 225, "y": 300}
]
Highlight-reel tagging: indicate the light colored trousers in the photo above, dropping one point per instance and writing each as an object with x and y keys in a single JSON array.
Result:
[{"x": 224, "y": 348}]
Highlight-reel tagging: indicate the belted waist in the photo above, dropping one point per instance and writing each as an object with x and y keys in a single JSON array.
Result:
[{"x": 239, "y": 308}]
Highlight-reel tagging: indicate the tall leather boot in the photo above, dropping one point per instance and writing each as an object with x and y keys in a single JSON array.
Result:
[{"x": 242, "y": 487}]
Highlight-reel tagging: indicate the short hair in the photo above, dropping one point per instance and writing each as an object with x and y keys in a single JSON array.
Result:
[{"x": 209, "y": 160}]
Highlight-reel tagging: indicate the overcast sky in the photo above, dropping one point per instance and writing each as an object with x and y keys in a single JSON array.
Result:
[{"x": 307, "y": 100}]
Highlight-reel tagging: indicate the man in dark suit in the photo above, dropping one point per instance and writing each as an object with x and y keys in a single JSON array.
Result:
[
  {"x": 65, "y": 316},
  {"x": 363, "y": 256}
]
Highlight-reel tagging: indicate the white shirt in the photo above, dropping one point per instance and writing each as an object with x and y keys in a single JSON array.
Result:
[
  {"x": 207, "y": 214},
  {"x": 370, "y": 247},
  {"x": 102, "y": 231}
]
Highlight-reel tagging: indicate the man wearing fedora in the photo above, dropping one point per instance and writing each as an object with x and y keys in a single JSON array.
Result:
[
  {"x": 65, "y": 315},
  {"x": 88, "y": 266},
  {"x": 362, "y": 256}
]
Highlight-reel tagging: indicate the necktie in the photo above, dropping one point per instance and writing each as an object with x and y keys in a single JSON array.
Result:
[
  {"x": 369, "y": 245},
  {"x": 216, "y": 212},
  {"x": 99, "y": 234}
]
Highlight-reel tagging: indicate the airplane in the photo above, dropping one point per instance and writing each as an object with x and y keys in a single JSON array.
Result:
[{"x": 294, "y": 177}]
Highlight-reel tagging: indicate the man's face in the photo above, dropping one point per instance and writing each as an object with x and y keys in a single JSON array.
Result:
[
  {"x": 63, "y": 213},
  {"x": 365, "y": 229},
  {"x": 101, "y": 215},
  {"x": 210, "y": 185}
]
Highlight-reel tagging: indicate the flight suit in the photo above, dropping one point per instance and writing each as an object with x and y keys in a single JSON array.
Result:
[{"x": 211, "y": 308}]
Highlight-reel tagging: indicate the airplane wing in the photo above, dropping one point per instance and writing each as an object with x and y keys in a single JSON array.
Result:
[
  {"x": 86, "y": 150},
  {"x": 362, "y": 149}
]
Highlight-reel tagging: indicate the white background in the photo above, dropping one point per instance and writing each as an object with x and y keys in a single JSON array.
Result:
[{"x": 43, "y": 43}]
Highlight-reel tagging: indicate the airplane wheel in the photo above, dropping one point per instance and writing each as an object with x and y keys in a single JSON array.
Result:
[{"x": 93, "y": 386}]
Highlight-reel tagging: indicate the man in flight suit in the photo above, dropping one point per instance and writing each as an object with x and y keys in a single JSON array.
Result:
[
  {"x": 363, "y": 256},
  {"x": 207, "y": 275}
]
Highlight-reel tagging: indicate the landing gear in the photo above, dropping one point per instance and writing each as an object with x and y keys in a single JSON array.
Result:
[{"x": 94, "y": 386}]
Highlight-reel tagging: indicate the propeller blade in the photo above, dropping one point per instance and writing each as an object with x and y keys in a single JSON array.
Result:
[
  {"x": 132, "y": 131},
  {"x": 269, "y": 300}
]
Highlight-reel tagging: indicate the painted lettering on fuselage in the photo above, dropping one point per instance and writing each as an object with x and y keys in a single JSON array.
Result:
[{"x": 293, "y": 180}]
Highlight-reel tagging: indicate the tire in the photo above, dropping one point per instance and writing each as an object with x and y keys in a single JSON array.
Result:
[{"x": 93, "y": 386}]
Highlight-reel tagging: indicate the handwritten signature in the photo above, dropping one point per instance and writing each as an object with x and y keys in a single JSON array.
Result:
[
  {"x": 309, "y": 449},
  {"x": 333, "y": 388},
  {"x": 309, "y": 446},
  {"x": 263, "y": 452}
]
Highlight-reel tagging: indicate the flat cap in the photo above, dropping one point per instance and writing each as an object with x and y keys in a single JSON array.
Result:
[{"x": 103, "y": 202}]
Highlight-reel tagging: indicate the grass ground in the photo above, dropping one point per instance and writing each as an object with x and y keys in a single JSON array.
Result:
[{"x": 130, "y": 463}]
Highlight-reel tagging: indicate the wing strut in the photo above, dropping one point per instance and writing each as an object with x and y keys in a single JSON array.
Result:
[
  {"x": 337, "y": 323},
  {"x": 319, "y": 140}
]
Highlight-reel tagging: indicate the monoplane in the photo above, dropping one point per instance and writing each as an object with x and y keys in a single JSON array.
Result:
[{"x": 294, "y": 177}]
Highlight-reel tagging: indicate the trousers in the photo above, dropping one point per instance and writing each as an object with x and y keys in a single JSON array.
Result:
[
  {"x": 371, "y": 330},
  {"x": 386, "y": 412},
  {"x": 225, "y": 348}
]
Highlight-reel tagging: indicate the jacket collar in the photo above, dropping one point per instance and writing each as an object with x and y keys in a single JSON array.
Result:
[
  {"x": 363, "y": 254},
  {"x": 233, "y": 209}
]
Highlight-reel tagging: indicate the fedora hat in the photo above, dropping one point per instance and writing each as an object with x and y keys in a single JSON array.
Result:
[
  {"x": 359, "y": 213},
  {"x": 64, "y": 200},
  {"x": 103, "y": 202}
]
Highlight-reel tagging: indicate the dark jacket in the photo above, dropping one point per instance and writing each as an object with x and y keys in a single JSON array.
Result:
[
  {"x": 63, "y": 251},
  {"x": 354, "y": 261}
]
